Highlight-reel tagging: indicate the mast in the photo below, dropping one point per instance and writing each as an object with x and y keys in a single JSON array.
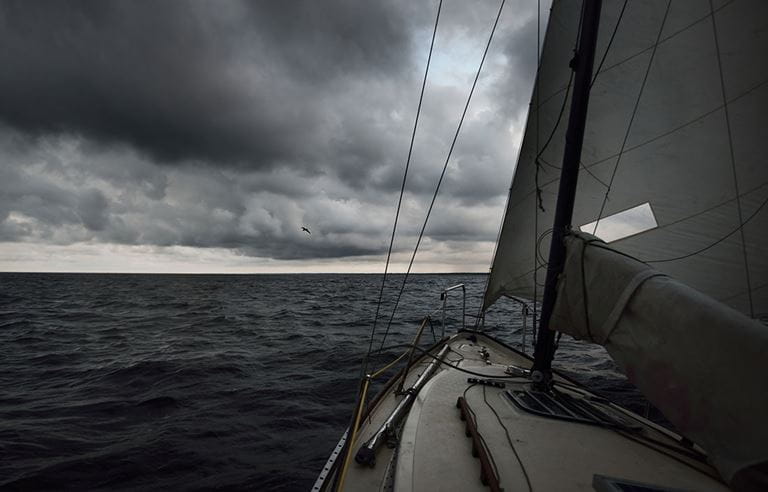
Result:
[{"x": 582, "y": 64}]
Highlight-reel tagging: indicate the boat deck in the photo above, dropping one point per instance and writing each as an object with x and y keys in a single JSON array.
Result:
[{"x": 433, "y": 451}]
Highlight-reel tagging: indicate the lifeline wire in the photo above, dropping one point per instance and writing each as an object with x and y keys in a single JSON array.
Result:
[{"x": 442, "y": 175}]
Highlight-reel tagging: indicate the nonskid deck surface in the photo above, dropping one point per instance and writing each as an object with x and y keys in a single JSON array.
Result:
[{"x": 433, "y": 451}]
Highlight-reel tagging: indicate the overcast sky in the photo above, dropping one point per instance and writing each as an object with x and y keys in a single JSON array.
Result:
[{"x": 200, "y": 136}]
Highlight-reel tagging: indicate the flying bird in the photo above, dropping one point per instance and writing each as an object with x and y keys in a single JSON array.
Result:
[{"x": 306, "y": 230}]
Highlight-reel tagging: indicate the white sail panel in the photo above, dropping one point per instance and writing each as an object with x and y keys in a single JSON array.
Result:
[
  {"x": 513, "y": 268},
  {"x": 679, "y": 124}
]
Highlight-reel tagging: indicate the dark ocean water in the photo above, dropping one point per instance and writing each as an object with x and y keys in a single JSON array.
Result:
[{"x": 185, "y": 382}]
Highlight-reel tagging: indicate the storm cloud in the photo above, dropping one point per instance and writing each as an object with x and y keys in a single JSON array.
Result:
[{"x": 231, "y": 124}]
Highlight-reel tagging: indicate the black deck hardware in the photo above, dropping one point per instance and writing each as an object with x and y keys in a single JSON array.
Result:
[
  {"x": 602, "y": 483},
  {"x": 559, "y": 405},
  {"x": 487, "y": 382}
]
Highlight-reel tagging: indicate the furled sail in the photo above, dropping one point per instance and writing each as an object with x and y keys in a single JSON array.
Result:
[
  {"x": 700, "y": 362},
  {"x": 674, "y": 158}
]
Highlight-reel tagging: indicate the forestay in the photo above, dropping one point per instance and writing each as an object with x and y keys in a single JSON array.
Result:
[{"x": 677, "y": 123}]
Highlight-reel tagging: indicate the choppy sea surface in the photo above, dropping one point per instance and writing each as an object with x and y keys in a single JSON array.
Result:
[{"x": 188, "y": 382}]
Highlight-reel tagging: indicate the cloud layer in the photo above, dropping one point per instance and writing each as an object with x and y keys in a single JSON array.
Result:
[{"x": 229, "y": 125}]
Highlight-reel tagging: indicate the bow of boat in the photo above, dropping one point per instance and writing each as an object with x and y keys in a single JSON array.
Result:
[{"x": 474, "y": 423}]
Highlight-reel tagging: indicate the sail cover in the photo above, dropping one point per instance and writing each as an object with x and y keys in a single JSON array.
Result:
[
  {"x": 677, "y": 128},
  {"x": 700, "y": 362}
]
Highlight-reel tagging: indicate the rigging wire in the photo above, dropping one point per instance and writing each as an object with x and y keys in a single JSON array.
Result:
[
  {"x": 541, "y": 261},
  {"x": 442, "y": 175},
  {"x": 567, "y": 91},
  {"x": 610, "y": 43},
  {"x": 584, "y": 290},
  {"x": 480, "y": 312},
  {"x": 402, "y": 187},
  {"x": 582, "y": 167},
  {"x": 650, "y": 140},
  {"x": 562, "y": 108},
  {"x": 540, "y": 150},
  {"x": 724, "y": 106},
  {"x": 535, "y": 210},
  {"x": 673, "y": 34},
  {"x": 733, "y": 162},
  {"x": 354, "y": 421},
  {"x": 738, "y": 228},
  {"x": 632, "y": 57},
  {"x": 539, "y": 160},
  {"x": 632, "y": 117}
]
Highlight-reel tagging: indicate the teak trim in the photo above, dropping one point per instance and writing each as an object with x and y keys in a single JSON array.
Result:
[{"x": 487, "y": 473}]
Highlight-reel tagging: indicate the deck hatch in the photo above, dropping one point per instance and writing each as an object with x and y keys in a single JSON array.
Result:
[{"x": 562, "y": 406}]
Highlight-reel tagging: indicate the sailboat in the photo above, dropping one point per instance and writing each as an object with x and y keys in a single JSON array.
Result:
[{"x": 638, "y": 211}]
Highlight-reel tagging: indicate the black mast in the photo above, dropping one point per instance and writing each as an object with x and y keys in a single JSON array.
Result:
[{"x": 582, "y": 64}]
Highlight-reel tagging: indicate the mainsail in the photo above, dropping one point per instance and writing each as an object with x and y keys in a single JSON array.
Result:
[
  {"x": 675, "y": 135},
  {"x": 672, "y": 174}
]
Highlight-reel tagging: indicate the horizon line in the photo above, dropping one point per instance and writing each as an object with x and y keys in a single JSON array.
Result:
[{"x": 238, "y": 273}]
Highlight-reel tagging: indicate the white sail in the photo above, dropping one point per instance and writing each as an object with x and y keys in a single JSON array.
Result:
[
  {"x": 677, "y": 125},
  {"x": 671, "y": 170}
]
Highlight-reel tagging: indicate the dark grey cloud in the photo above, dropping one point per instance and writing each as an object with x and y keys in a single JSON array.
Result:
[
  {"x": 238, "y": 82},
  {"x": 93, "y": 210},
  {"x": 231, "y": 124},
  {"x": 519, "y": 48}
]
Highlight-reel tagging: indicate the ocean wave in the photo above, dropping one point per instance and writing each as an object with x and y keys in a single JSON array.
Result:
[{"x": 159, "y": 382}]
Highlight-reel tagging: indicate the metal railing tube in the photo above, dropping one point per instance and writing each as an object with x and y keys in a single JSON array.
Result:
[
  {"x": 366, "y": 455},
  {"x": 444, "y": 297},
  {"x": 525, "y": 324},
  {"x": 524, "y": 311}
]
